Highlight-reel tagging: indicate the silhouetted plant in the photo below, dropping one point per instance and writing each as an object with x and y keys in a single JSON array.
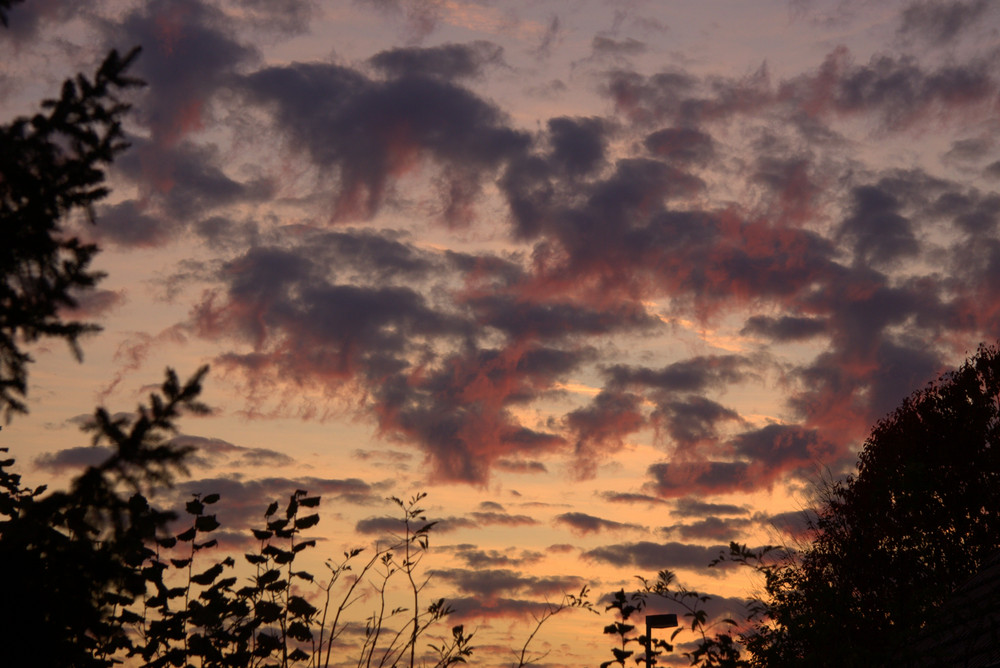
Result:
[
  {"x": 894, "y": 541},
  {"x": 52, "y": 166},
  {"x": 712, "y": 648},
  {"x": 569, "y": 601},
  {"x": 76, "y": 557}
]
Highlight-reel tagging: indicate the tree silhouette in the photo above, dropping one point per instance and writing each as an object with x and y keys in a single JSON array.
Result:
[
  {"x": 73, "y": 561},
  {"x": 894, "y": 541},
  {"x": 51, "y": 168}
]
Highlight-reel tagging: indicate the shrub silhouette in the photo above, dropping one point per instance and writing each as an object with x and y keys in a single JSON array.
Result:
[{"x": 98, "y": 580}]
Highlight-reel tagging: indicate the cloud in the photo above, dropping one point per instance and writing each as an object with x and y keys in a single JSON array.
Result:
[
  {"x": 478, "y": 559},
  {"x": 490, "y": 585},
  {"x": 386, "y": 526},
  {"x": 710, "y": 528},
  {"x": 189, "y": 54},
  {"x": 491, "y": 517},
  {"x": 447, "y": 61},
  {"x": 243, "y": 501},
  {"x": 578, "y": 145},
  {"x": 681, "y": 145},
  {"x": 368, "y": 133},
  {"x": 693, "y": 507},
  {"x": 601, "y": 428},
  {"x": 879, "y": 233},
  {"x": 691, "y": 375},
  {"x": 896, "y": 90},
  {"x": 632, "y": 498},
  {"x": 97, "y": 302},
  {"x": 607, "y": 47},
  {"x": 650, "y": 556},
  {"x": 25, "y": 20},
  {"x": 584, "y": 524},
  {"x": 784, "y": 328},
  {"x": 762, "y": 457},
  {"x": 217, "y": 452},
  {"x": 692, "y": 421},
  {"x": 72, "y": 459},
  {"x": 796, "y": 524},
  {"x": 940, "y": 21}
]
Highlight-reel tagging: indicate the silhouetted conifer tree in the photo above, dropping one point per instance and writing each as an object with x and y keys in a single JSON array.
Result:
[{"x": 52, "y": 167}]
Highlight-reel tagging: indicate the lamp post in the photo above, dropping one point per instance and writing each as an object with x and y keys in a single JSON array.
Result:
[{"x": 656, "y": 622}]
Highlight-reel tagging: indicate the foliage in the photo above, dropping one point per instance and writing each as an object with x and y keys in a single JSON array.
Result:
[
  {"x": 894, "y": 541},
  {"x": 51, "y": 166},
  {"x": 711, "y": 647},
  {"x": 100, "y": 581},
  {"x": 73, "y": 558}
]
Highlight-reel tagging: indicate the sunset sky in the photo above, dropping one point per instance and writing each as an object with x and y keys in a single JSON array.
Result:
[{"x": 614, "y": 281}]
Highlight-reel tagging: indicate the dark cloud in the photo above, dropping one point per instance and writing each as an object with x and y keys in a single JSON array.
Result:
[
  {"x": 691, "y": 375},
  {"x": 512, "y": 466},
  {"x": 653, "y": 557},
  {"x": 290, "y": 17},
  {"x": 479, "y": 560},
  {"x": 491, "y": 584},
  {"x": 188, "y": 55},
  {"x": 971, "y": 212},
  {"x": 484, "y": 518},
  {"x": 216, "y": 451},
  {"x": 627, "y": 497},
  {"x": 448, "y": 61},
  {"x": 72, "y": 459},
  {"x": 583, "y": 523},
  {"x": 796, "y": 524},
  {"x": 682, "y": 145},
  {"x": 763, "y": 457},
  {"x": 711, "y": 528},
  {"x": 602, "y": 426},
  {"x": 470, "y": 608},
  {"x": 615, "y": 48},
  {"x": 777, "y": 446},
  {"x": 969, "y": 150},
  {"x": 549, "y": 38},
  {"x": 879, "y": 232},
  {"x": 784, "y": 328},
  {"x": 389, "y": 526},
  {"x": 692, "y": 507},
  {"x": 896, "y": 90},
  {"x": 673, "y": 479},
  {"x": 942, "y": 21},
  {"x": 97, "y": 302},
  {"x": 25, "y": 19},
  {"x": 692, "y": 420},
  {"x": 127, "y": 224},
  {"x": 370, "y": 132},
  {"x": 243, "y": 501},
  {"x": 554, "y": 320},
  {"x": 578, "y": 144}
]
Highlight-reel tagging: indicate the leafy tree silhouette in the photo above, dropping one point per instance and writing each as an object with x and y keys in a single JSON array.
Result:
[
  {"x": 73, "y": 560},
  {"x": 51, "y": 167},
  {"x": 893, "y": 541}
]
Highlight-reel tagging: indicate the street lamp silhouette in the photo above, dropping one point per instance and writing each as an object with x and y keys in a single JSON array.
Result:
[{"x": 656, "y": 622}]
